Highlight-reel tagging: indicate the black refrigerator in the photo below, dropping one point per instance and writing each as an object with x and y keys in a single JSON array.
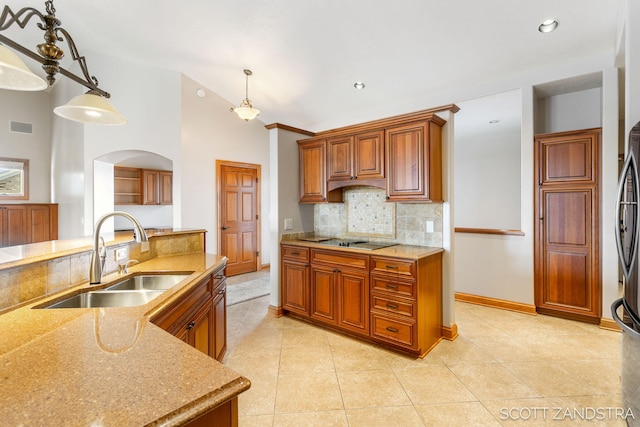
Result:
[{"x": 627, "y": 234}]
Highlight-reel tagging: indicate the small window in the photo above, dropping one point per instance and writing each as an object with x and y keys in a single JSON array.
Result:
[{"x": 14, "y": 179}]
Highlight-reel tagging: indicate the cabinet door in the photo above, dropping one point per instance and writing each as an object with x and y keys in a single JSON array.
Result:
[
  {"x": 220, "y": 323},
  {"x": 353, "y": 300},
  {"x": 339, "y": 164},
  {"x": 313, "y": 181},
  {"x": 165, "y": 182},
  {"x": 368, "y": 152},
  {"x": 201, "y": 329},
  {"x": 15, "y": 225},
  {"x": 295, "y": 287},
  {"x": 150, "y": 185},
  {"x": 323, "y": 294},
  {"x": 39, "y": 223},
  {"x": 414, "y": 162}
]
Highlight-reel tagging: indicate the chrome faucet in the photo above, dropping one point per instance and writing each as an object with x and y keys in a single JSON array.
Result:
[{"x": 99, "y": 255}]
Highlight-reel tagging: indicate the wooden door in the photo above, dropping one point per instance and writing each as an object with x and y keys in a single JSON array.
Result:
[
  {"x": 323, "y": 294},
  {"x": 567, "y": 229},
  {"x": 150, "y": 182},
  {"x": 238, "y": 197},
  {"x": 353, "y": 300}
]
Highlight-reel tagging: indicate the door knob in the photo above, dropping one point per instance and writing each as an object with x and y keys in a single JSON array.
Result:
[{"x": 223, "y": 228}]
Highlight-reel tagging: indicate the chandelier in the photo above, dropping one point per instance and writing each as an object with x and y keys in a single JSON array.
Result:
[
  {"x": 90, "y": 107},
  {"x": 246, "y": 111}
]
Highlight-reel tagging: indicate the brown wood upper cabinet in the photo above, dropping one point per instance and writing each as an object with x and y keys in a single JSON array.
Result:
[
  {"x": 134, "y": 186},
  {"x": 357, "y": 157},
  {"x": 401, "y": 154},
  {"x": 414, "y": 161}
]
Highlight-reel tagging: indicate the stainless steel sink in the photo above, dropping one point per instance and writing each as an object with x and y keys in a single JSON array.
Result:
[
  {"x": 107, "y": 298},
  {"x": 155, "y": 282}
]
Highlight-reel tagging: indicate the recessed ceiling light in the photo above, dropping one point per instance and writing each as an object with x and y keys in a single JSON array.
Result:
[
  {"x": 548, "y": 25},
  {"x": 201, "y": 93},
  {"x": 358, "y": 85},
  {"x": 493, "y": 122}
]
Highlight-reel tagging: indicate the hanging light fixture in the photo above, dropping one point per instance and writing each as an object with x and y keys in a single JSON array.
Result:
[
  {"x": 246, "y": 111},
  {"x": 91, "y": 107}
]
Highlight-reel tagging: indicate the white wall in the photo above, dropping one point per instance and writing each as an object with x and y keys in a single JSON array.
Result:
[
  {"x": 34, "y": 108},
  {"x": 211, "y": 132},
  {"x": 569, "y": 111}
]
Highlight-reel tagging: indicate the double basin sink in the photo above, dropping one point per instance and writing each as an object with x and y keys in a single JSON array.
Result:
[{"x": 130, "y": 292}]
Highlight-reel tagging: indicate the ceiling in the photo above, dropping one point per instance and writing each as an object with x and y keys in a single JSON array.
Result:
[{"x": 306, "y": 55}]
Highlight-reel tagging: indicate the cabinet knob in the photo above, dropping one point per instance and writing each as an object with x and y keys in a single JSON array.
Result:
[
  {"x": 388, "y": 197},
  {"x": 191, "y": 325},
  {"x": 222, "y": 291}
]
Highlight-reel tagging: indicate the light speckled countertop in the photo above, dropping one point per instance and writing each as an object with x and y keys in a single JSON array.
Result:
[
  {"x": 397, "y": 251},
  {"x": 109, "y": 367}
]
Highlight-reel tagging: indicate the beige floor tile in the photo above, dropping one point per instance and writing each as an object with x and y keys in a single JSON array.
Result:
[
  {"x": 298, "y": 360},
  {"x": 456, "y": 414},
  {"x": 264, "y": 338},
  {"x": 359, "y": 358},
  {"x": 366, "y": 389},
  {"x": 304, "y": 336},
  {"x": 260, "y": 398},
  {"x": 404, "y": 416},
  {"x": 255, "y": 420},
  {"x": 308, "y": 392},
  {"x": 258, "y": 361},
  {"x": 432, "y": 384},
  {"x": 311, "y": 419},
  {"x": 492, "y": 381},
  {"x": 459, "y": 351},
  {"x": 555, "y": 378}
]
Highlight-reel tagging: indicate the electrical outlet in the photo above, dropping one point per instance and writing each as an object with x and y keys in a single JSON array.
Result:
[
  {"x": 120, "y": 254},
  {"x": 288, "y": 224},
  {"x": 430, "y": 227}
]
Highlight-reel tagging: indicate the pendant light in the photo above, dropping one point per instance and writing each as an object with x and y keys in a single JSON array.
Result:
[
  {"x": 246, "y": 111},
  {"x": 91, "y": 107},
  {"x": 15, "y": 75}
]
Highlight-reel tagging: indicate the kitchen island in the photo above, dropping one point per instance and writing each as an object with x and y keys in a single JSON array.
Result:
[
  {"x": 391, "y": 295},
  {"x": 111, "y": 366}
]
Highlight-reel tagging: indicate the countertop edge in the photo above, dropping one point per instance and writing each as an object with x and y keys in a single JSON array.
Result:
[
  {"x": 396, "y": 251},
  {"x": 203, "y": 405}
]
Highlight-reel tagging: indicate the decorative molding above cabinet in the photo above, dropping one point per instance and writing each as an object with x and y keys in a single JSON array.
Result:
[
  {"x": 134, "y": 186},
  {"x": 401, "y": 154}
]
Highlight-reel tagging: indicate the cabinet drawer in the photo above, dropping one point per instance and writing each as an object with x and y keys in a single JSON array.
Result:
[
  {"x": 173, "y": 316},
  {"x": 395, "y": 266},
  {"x": 394, "y": 331},
  {"x": 402, "y": 288},
  {"x": 395, "y": 306},
  {"x": 218, "y": 278},
  {"x": 295, "y": 253},
  {"x": 340, "y": 259}
]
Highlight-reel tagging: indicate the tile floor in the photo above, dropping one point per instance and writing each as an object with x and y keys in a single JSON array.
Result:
[{"x": 505, "y": 368}]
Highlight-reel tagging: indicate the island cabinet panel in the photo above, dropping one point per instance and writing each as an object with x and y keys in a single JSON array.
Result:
[
  {"x": 199, "y": 316},
  {"x": 295, "y": 279}
]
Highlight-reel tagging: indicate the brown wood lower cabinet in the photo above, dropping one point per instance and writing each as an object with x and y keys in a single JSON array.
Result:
[
  {"x": 395, "y": 302},
  {"x": 199, "y": 318},
  {"x": 24, "y": 223}
]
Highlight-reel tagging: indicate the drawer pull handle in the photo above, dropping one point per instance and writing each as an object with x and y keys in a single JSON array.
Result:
[
  {"x": 337, "y": 270},
  {"x": 191, "y": 325},
  {"x": 219, "y": 276},
  {"x": 390, "y": 329},
  {"x": 392, "y": 266},
  {"x": 295, "y": 253},
  {"x": 222, "y": 291},
  {"x": 389, "y": 305},
  {"x": 392, "y": 286}
]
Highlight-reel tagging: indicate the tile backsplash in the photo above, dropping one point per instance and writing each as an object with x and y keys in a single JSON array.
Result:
[{"x": 365, "y": 213}]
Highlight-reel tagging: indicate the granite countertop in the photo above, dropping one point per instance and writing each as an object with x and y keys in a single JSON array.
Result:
[
  {"x": 111, "y": 366},
  {"x": 14, "y": 256},
  {"x": 396, "y": 251}
]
